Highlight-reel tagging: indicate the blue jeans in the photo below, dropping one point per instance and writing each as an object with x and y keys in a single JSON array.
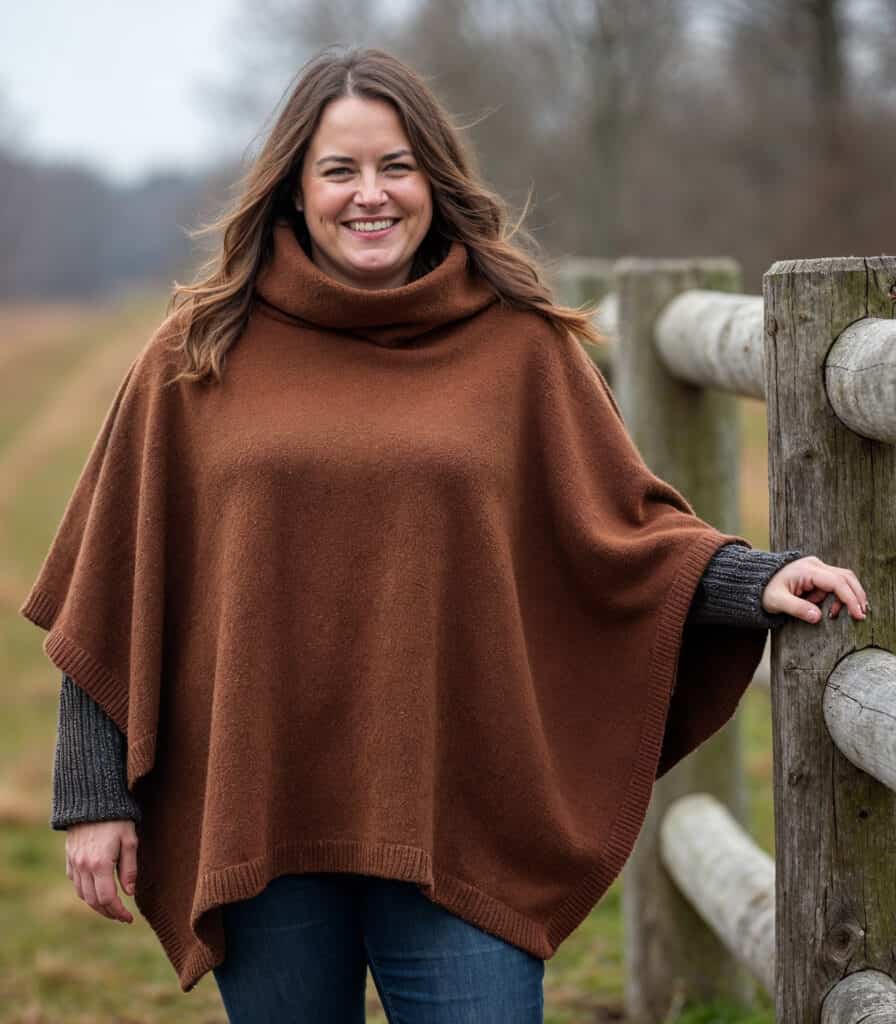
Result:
[{"x": 299, "y": 950}]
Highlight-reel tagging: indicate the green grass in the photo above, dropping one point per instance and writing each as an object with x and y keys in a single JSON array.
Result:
[
  {"x": 62, "y": 962},
  {"x": 721, "y": 1013}
]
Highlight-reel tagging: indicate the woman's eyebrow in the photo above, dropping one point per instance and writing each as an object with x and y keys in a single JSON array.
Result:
[{"x": 349, "y": 160}]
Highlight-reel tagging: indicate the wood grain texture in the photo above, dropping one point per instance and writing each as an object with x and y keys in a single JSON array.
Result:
[
  {"x": 860, "y": 712},
  {"x": 860, "y": 375},
  {"x": 866, "y": 997},
  {"x": 832, "y": 494}
]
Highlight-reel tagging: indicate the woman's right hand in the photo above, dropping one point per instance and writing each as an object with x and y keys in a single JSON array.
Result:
[{"x": 92, "y": 850}]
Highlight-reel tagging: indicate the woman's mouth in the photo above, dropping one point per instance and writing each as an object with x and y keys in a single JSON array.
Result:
[{"x": 371, "y": 228}]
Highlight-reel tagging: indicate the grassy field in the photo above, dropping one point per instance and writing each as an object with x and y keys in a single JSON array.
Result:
[{"x": 59, "y": 960}]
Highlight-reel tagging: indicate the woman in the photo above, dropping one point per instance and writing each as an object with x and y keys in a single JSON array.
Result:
[{"x": 409, "y": 604}]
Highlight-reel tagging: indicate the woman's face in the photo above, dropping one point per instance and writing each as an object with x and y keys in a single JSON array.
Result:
[{"x": 359, "y": 170}]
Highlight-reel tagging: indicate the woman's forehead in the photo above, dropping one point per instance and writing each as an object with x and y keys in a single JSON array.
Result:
[{"x": 364, "y": 124}]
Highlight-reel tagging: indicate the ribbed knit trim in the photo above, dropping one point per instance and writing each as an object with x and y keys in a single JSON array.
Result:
[
  {"x": 732, "y": 586},
  {"x": 192, "y": 957},
  {"x": 629, "y": 820},
  {"x": 41, "y": 609},
  {"x": 96, "y": 680}
]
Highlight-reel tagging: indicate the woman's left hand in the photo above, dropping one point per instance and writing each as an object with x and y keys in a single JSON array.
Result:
[{"x": 800, "y": 585}]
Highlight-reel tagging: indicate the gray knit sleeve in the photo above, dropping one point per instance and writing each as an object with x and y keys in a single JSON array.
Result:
[
  {"x": 89, "y": 774},
  {"x": 730, "y": 590}
]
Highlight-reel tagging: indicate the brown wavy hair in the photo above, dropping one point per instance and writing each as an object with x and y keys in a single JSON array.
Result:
[{"x": 212, "y": 312}]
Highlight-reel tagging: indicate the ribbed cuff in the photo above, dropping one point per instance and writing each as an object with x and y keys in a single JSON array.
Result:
[
  {"x": 731, "y": 588},
  {"x": 89, "y": 765}
]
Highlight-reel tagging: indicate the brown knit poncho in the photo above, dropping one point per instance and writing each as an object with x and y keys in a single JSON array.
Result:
[{"x": 400, "y": 598}]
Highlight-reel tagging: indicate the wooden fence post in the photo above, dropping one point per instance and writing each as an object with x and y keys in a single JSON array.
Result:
[
  {"x": 577, "y": 281},
  {"x": 833, "y": 495},
  {"x": 690, "y": 437}
]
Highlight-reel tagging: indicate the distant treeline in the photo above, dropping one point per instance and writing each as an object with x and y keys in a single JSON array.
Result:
[
  {"x": 65, "y": 232},
  {"x": 754, "y": 129}
]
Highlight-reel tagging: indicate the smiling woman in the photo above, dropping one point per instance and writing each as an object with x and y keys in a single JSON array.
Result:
[
  {"x": 390, "y": 614},
  {"x": 368, "y": 170},
  {"x": 367, "y": 205}
]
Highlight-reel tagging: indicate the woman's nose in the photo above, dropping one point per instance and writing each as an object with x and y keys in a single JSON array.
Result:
[{"x": 370, "y": 194}]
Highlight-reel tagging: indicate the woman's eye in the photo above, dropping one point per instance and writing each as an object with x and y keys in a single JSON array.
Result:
[{"x": 339, "y": 170}]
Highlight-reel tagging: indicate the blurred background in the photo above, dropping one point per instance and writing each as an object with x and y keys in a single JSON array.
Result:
[
  {"x": 760, "y": 130},
  {"x": 750, "y": 129}
]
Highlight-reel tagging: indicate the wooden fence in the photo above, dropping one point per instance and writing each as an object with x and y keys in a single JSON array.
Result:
[{"x": 707, "y": 913}]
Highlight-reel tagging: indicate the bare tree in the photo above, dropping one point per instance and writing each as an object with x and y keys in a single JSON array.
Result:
[
  {"x": 271, "y": 39},
  {"x": 760, "y": 129}
]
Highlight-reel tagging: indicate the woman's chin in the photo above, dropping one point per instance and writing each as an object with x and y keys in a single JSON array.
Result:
[{"x": 374, "y": 264}]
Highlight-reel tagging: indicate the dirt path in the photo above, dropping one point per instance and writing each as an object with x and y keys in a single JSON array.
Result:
[
  {"x": 39, "y": 327},
  {"x": 90, "y": 385}
]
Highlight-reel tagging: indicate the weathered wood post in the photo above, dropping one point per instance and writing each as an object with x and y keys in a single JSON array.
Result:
[
  {"x": 583, "y": 280},
  {"x": 689, "y": 436},
  {"x": 587, "y": 280},
  {"x": 833, "y": 495}
]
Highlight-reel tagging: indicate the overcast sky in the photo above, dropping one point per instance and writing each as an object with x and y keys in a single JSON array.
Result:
[{"x": 116, "y": 84}]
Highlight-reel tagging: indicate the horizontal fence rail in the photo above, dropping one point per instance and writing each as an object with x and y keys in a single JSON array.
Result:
[
  {"x": 864, "y": 997},
  {"x": 726, "y": 877},
  {"x": 860, "y": 713},
  {"x": 714, "y": 340},
  {"x": 860, "y": 377},
  {"x": 607, "y": 318}
]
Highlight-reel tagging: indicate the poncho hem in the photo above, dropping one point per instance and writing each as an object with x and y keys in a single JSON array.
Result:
[
  {"x": 191, "y": 960},
  {"x": 101, "y": 684},
  {"x": 663, "y": 661}
]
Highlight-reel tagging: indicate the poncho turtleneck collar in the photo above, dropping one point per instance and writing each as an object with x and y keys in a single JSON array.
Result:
[{"x": 293, "y": 285}]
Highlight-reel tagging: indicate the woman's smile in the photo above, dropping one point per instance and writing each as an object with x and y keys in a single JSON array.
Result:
[{"x": 370, "y": 229}]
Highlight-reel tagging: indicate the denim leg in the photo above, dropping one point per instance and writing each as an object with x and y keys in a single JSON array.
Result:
[
  {"x": 295, "y": 953},
  {"x": 432, "y": 967}
]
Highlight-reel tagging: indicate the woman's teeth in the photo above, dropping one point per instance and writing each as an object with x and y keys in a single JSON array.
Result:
[{"x": 370, "y": 225}]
